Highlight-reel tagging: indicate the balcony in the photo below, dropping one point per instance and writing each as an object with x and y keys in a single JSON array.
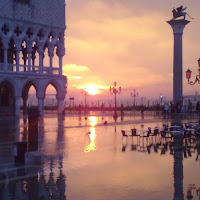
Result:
[{"x": 30, "y": 70}]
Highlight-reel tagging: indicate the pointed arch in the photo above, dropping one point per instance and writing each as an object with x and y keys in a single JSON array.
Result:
[
  {"x": 54, "y": 83},
  {"x": 14, "y": 84},
  {"x": 7, "y": 97},
  {"x": 27, "y": 86}
]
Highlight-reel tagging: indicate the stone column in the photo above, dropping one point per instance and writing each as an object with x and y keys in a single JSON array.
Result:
[
  {"x": 60, "y": 65},
  {"x": 41, "y": 54},
  {"x": 25, "y": 105},
  {"x": 178, "y": 27},
  {"x": 17, "y": 48},
  {"x": 60, "y": 105},
  {"x": 17, "y": 106},
  {"x": 51, "y": 54},
  {"x": 29, "y": 50},
  {"x": 60, "y": 53},
  {"x": 41, "y": 105},
  {"x": 17, "y": 60},
  {"x": 5, "y": 47}
]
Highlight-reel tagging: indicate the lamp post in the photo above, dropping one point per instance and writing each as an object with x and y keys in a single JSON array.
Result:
[
  {"x": 115, "y": 91},
  {"x": 189, "y": 72},
  {"x": 134, "y": 95},
  {"x": 71, "y": 99},
  {"x": 84, "y": 92},
  {"x": 161, "y": 99}
]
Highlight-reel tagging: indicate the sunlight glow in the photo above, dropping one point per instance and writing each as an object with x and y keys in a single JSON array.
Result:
[{"x": 92, "y": 89}]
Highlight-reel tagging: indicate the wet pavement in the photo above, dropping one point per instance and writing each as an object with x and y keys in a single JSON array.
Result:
[{"x": 84, "y": 159}]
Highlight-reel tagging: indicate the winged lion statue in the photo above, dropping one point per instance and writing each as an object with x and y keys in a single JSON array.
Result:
[{"x": 178, "y": 12}]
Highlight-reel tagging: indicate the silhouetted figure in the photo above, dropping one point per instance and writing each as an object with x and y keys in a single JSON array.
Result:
[
  {"x": 123, "y": 148},
  {"x": 198, "y": 107},
  {"x": 105, "y": 123},
  {"x": 122, "y": 109},
  {"x": 198, "y": 152},
  {"x": 172, "y": 107},
  {"x": 88, "y": 133},
  {"x": 190, "y": 106},
  {"x": 133, "y": 147},
  {"x": 178, "y": 106},
  {"x": 149, "y": 149},
  {"x": 142, "y": 111},
  {"x": 79, "y": 108}
]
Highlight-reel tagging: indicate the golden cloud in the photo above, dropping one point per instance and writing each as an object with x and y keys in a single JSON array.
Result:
[
  {"x": 74, "y": 67},
  {"x": 75, "y": 77}
]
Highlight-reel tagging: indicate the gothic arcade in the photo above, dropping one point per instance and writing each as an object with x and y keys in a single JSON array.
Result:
[{"x": 28, "y": 29}]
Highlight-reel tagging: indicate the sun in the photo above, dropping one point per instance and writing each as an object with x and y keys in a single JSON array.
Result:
[{"x": 92, "y": 89}]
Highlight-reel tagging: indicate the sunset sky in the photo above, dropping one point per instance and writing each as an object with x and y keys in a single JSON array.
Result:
[{"x": 127, "y": 41}]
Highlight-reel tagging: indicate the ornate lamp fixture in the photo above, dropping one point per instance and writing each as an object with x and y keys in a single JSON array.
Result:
[
  {"x": 115, "y": 91},
  {"x": 189, "y": 72}
]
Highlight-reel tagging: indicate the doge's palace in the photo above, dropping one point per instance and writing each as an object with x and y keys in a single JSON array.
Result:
[{"x": 28, "y": 29}]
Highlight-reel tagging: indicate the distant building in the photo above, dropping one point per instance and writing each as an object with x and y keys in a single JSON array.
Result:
[{"x": 28, "y": 29}]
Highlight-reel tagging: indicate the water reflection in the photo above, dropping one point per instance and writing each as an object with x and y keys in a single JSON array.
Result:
[
  {"x": 191, "y": 188},
  {"x": 180, "y": 146},
  {"x": 92, "y": 135},
  {"x": 158, "y": 172},
  {"x": 25, "y": 182},
  {"x": 178, "y": 169}
]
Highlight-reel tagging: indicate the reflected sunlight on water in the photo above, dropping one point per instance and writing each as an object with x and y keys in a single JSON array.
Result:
[
  {"x": 92, "y": 145},
  {"x": 93, "y": 120},
  {"x": 92, "y": 135}
]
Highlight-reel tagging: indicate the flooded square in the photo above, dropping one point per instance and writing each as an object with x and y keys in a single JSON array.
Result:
[{"x": 82, "y": 158}]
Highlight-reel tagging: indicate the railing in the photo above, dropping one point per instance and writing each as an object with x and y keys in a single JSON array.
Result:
[{"x": 25, "y": 69}]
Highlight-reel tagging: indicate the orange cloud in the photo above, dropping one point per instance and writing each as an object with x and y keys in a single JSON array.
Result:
[
  {"x": 74, "y": 67},
  {"x": 124, "y": 41}
]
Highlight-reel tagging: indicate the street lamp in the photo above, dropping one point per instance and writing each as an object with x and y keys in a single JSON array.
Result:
[
  {"x": 189, "y": 72},
  {"x": 71, "y": 99},
  {"x": 115, "y": 91},
  {"x": 84, "y": 92},
  {"x": 134, "y": 95},
  {"x": 161, "y": 98}
]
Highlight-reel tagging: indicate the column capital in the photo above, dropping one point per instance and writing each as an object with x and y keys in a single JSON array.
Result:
[
  {"x": 41, "y": 96},
  {"x": 5, "y": 43},
  {"x": 17, "y": 96},
  {"x": 29, "y": 47},
  {"x": 60, "y": 50},
  {"x": 178, "y": 25},
  {"x": 51, "y": 51},
  {"x": 60, "y": 97},
  {"x": 18, "y": 46},
  {"x": 40, "y": 49}
]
